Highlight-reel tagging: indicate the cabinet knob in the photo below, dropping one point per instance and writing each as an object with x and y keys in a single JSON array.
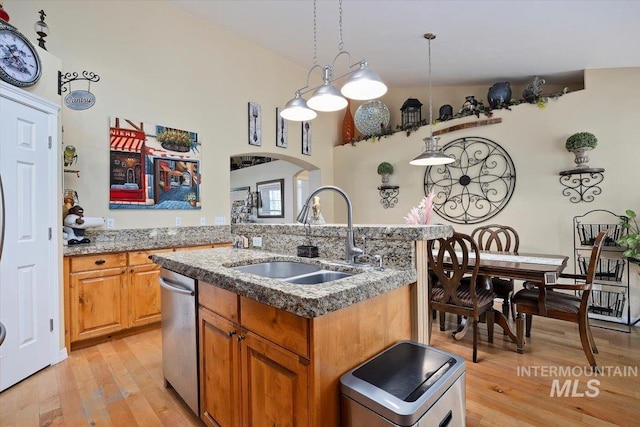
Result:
[
  {"x": 232, "y": 333},
  {"x": 241, "y": 337},
  {"x": 100, "y": 261}
]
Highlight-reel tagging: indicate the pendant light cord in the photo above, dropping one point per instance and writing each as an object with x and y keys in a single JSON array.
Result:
[
  {"x": 429, "y": 37},
  {"x": 340, "y": 41}
]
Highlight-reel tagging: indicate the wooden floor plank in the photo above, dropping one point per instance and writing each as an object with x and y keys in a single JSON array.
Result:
[{"x": 120, "y": 383}]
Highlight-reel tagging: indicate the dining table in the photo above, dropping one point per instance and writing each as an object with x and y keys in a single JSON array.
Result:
[{"x": 537, "y": 268}]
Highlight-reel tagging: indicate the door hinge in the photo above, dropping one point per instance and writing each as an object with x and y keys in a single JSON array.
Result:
[
  {"x": 50, "y": 141},
  {"x": 50, "y": 233},
  {"x": 50, "y": 325}
]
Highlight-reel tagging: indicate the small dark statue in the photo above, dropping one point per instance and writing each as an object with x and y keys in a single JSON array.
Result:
[
  {"x": 499, "y": 95},
  {"x": 446, "y": 113}
]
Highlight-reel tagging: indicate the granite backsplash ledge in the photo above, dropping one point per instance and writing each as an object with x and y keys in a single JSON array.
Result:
[{"x": 395, "y": 243}]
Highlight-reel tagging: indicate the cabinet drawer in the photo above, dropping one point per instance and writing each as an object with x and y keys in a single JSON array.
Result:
[
  {"x": 143, "y": 257},
  {"x": 279, "y": 326},
  {"x": 98, "y": 262},
  {"x": 218, "y": 300}
]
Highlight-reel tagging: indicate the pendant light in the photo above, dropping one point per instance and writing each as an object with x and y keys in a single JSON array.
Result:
[
  {"x": 363, "y": 83},
  {"x": 432, "y": 155}
]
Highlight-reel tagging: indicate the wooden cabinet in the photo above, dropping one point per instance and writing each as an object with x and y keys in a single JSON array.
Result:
[
  {"x": 111, "y": 293},
  {"x": 275, "y": 384},
  {"x": 245, "y": 379},
  {"x": 97, "y": 285},
  {"x": 144, "y": 288},
  {"x": 261, "y": 366}
]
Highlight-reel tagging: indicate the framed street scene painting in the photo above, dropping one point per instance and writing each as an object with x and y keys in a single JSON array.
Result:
[
  {"x": 255, "y": 124},
  {"x": 306, "y": 138},
  {"x": 281, "y": 130}
]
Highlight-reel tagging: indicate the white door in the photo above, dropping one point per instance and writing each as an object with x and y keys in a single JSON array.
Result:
[{"x": 25, "y": 272}]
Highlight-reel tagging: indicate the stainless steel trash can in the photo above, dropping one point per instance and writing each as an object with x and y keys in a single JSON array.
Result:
[{"x": 408, "y": 384}]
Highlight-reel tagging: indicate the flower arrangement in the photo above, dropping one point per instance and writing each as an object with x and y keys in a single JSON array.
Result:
[
  {"x": 190, "y": 197},
  {"x": 422, "y": 214},
  {"x": 632, "y": 239},
  {"x": 177, "y": 137},
  {"x": 385, "y": 168},
  {"x": 581, "y": 140}
]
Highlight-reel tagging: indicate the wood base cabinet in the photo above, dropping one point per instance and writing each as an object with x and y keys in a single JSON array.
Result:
[
  {"x": 261, "y": 366},
  {"x": 112, "y": 293}
]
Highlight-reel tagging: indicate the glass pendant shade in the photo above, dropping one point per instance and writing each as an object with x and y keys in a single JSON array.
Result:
[
  {"x": 297, "y": 110},
  {"x": 327, "y": 98},
  {"x": 432, "y": 154},
  {"x": 364, "y": 84}
]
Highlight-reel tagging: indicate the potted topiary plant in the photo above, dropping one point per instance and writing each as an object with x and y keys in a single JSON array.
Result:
[
  {"x": 384, "y": 170},
  {"x": 579, "y": 143},
  {"x": 631, "y": 240}
]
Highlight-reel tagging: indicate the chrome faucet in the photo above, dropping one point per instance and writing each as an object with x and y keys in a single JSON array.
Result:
[{"x": 350, "y": 246}]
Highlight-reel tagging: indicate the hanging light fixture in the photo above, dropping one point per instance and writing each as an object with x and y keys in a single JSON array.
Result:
[
  {"x": 363, "y": 84},
  {"x": 432, "y": 155}
]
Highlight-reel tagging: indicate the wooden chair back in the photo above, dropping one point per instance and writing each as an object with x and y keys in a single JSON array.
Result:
[
  {"x": 454, "y": 253},
  {"x": 496, "y": 237}
]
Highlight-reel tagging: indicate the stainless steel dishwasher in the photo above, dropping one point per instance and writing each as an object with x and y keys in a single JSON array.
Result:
[{"x": 180, "y": 336}]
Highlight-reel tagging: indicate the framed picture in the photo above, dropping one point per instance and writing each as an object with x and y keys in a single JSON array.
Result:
[
  {"x": 281, "y": 130},
  {"x": 306, "y": 138},
  {"x": 255, "y": 124}
]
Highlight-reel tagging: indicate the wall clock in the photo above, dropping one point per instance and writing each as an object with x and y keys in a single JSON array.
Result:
[
  {"x": 19, "y": 62},
  {"x": 475, "y": 187}
]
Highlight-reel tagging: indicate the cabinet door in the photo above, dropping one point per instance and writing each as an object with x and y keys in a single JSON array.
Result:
[
  {"x": 98, "y": 306},
  {"x": 144, "y": 295},
  {"x": 219, "y": 370},
  {"x": 274, "y": 384}
]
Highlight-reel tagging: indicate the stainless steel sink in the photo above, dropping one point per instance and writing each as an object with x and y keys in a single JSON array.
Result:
[
  {"x": 293, "y": 272},
  {"x": 279, "y": 269},
  {"x": 321, "y": 276}
]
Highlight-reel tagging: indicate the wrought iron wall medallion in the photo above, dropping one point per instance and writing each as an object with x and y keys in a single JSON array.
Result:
[{"x": 475, "y": 187}]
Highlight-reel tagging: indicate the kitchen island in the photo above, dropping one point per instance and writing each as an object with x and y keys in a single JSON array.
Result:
[{"x": 272, "y": 352}]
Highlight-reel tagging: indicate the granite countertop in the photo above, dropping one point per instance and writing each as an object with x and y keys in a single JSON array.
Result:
[
  {"x": 215, "y": 266},
  {"x": 109, "y": 241}
]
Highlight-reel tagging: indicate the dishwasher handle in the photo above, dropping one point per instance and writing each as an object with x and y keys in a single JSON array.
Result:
[{"x": 165, "y": 283}]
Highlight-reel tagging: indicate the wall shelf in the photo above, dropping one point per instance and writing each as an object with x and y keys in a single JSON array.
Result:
[
  {"x": 389, "y": 195},
  {"x": 582, "y": 185}
]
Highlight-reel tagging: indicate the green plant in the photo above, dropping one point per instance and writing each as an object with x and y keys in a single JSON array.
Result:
[
  {"x": 190, "y": 197},
  {"x": 581, "y": 140},
  {"x": 178, "y": 137},
  {"x": 631, "y": 240},
  {"x": 385, "y": 168}
]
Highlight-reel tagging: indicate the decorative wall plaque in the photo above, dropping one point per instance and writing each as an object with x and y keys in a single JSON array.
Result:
[{"x": 475, "y": 187}]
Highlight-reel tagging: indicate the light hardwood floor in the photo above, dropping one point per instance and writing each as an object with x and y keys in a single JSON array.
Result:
[{"x": 120, "y": 383}]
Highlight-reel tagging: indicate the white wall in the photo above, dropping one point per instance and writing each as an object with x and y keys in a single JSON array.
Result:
[
  {"x": 159, "y": 65},
  {"x": 608, "y": 107}
]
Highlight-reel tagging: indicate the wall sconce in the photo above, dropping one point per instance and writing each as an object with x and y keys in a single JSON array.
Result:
[{"x": 42, "y": 29}]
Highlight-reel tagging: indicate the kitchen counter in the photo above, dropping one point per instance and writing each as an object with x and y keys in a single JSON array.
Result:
[
  {"x": 214, "y": 266},
  {"x": 110, "y": 241}
]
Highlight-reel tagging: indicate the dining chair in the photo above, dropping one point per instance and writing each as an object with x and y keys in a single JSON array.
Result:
[
  {"x": 548, "y": 300},
  {"x": 500, "y": 238},
  {"x": 449, "y": 262}
]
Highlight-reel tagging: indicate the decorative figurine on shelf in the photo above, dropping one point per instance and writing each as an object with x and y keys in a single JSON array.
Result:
[
  {"x": 446, "y": 113},
  {"x": 533, "y": 90},
  {"x": 75, "y": 223},
  {"x": 316, "y": 215},
  {"x": 499, "y": 95}
]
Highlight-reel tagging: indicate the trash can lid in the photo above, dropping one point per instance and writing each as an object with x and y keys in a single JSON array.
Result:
[{"x": 404, "y": 380}]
